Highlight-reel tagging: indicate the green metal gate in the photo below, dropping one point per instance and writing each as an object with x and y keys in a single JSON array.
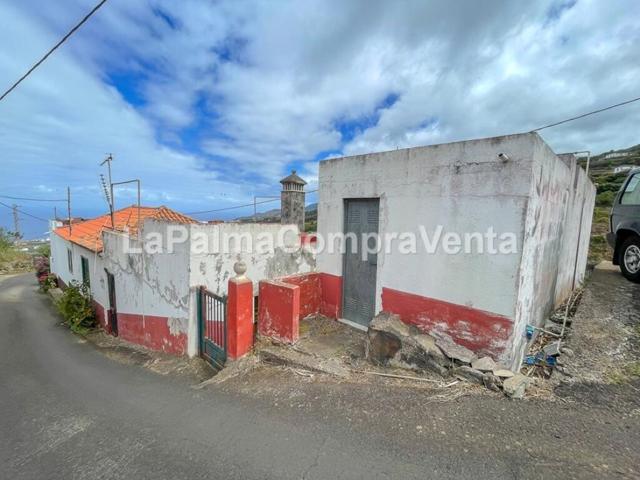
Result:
[{"x": 212, "y": 321}]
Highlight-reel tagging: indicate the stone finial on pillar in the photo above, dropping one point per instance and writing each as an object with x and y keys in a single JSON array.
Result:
[
  {"x": 239, "y": 312},
  {"x": 240, "y": 267}
]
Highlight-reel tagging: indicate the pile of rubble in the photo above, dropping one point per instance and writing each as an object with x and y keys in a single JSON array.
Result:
[{"x": 390, "y": 342}]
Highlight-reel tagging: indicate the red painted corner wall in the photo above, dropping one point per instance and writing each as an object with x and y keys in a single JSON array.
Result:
[
  {"x": 331, "y": 295},
  {"x": 151, "y": 332},
  {"x": 310, "y": 293},
  {"x": 482, "y": 332},
  {"x": 101, "y": 314},
  {"x": 279, "y": 311}
]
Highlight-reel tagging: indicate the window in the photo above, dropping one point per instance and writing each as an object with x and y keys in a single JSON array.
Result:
[
  {"x": 631, "y": 195},
  {"x": 70, "y": 260},
  {"x": 85, "y": 271}
]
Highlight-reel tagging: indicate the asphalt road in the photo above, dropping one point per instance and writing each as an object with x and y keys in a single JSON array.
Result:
[{"x": 67, "y": 411}]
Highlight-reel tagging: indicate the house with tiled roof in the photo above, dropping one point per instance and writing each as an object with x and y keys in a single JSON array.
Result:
[
  {"x": 146, "y": 269},
  {"x": 77, "y": 253}
]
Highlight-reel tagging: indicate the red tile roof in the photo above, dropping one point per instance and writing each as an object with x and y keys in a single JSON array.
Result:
[{"x": 88, "y": 233}]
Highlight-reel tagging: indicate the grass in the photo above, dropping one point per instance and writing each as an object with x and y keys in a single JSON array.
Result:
[
  {"x": 11, "y": 259},
  {"x": 625, "y": 374},
  {"x": 599, "y": 249}
]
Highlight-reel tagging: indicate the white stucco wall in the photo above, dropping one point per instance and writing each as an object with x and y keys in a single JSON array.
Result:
[
  {"x": 60, "y": 266},
  {"x": 148, "y": 283},
  {"x": 462, "y": 186},
  {"x": 213, "y": 269},
  {"x": 165, "y": 284},
  {"x": 465, "y": 187}
]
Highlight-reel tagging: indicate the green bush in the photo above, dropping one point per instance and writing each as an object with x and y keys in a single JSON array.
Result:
[
  {"x": 44, "y": 250},
  {"x": 48, "y": 282},
  {"x": 605, "y": 199},
  {"x": 76, "y": 307}
]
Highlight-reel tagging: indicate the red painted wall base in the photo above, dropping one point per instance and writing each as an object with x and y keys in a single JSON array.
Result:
[
  {"x": 482, "y": 332},
  {"x": 331, "y": 295},
  {"x": 151, "y": 332}
]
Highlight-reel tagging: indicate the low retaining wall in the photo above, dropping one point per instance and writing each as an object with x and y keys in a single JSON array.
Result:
[
  {"x": 285, "y": 301},
  {"x": 279, "y": 310}
]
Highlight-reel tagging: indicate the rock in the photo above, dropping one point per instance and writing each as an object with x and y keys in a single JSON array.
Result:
[
  {"x": 567, "y": 351},
  {"x": 427, "y": 345},
  {"x": 484, "y": 364},
  {"x": 455, "y": 351},
  {"x": 503, "y": 372},
  {"x": 553, "y": 327},
  {"x": 492, "y": 382},
  {"x": 552, "y": 349},
  {"x": 515, "y": 386},
  {"x": 381, "y": 347},
  {"x": 420, "y": 352},
  {"x": 389, "y": 323},
  {"x": 470, "y": 374}
]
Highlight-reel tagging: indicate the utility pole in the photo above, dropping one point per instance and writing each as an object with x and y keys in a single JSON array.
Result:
[
  {"x": 108, "y": 161},
  {"x": 69, "y": 208},
  {"x": 16, "y": 223}
]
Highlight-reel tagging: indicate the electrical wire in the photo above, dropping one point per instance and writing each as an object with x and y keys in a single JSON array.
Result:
[
  {"x": 34, "y": 199},
  {"x": 587, "y": 114},
  {"x": 55, "y": 47},
  {"x": 240, "y": 206},
  {"x": 24, "y": 213}
]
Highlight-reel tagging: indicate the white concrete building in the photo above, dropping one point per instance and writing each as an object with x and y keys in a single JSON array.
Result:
[
  {"x": 622, "y": 169},
  {"x": 536, "y": 206}
]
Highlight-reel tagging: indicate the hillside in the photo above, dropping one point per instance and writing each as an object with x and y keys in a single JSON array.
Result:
[
  {"x": 608, "y": 183},
  {"x": 273, "y": 216}
]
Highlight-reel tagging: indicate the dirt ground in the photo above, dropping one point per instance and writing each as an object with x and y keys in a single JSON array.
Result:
[{"x": 605, "y": 340}]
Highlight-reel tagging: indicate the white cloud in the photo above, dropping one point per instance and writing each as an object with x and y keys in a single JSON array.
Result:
[{"x": 267, "y": 85}]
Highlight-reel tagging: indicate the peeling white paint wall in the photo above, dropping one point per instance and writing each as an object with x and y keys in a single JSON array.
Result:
[
  {"x": 148, "y": 284},
  {"x": 165, "y": 284}
]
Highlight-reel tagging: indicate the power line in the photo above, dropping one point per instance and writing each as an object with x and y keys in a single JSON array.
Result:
[
  {"x": 587, "y": 114},
  {"x": 240, "y": 206},
  {"x": 37, "y": 64},
  {"x": 232, "y": 208},
  {"x": 35, "y": 199},
  {"x": 23, "y": 212}
]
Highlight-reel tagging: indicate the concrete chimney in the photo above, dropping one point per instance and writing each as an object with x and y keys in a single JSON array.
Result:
[{"x": 292, "y": 200}]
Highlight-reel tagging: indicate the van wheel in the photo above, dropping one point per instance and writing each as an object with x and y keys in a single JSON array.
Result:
[{"x": 630, "y": 258}]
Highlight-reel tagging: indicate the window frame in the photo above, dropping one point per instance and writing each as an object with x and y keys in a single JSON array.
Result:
[
  {"x": 84, "y": 267},
  {"x": 626, "y": 186},
  {"x": 70, "y": 260}
]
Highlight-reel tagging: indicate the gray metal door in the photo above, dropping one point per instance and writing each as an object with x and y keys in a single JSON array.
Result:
[{"x": 359, "y": 275}]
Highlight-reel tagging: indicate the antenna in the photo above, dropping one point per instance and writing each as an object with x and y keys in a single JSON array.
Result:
[
  {"x": 109, "y": 196},
  {"x": 105, "y": 190}
]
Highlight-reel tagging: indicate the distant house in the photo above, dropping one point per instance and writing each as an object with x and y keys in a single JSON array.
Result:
[
  {"x": 622, "y": 169},
  {"x": 618, "y": 155}
]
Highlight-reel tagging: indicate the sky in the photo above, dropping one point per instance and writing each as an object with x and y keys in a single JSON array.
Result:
[{"x": 210, "y": 103}]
